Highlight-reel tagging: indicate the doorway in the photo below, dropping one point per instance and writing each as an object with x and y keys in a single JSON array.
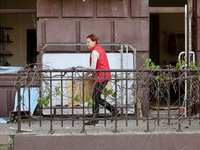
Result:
[
  {"x": 167, "y": 40},
  {"x": 31, "y": 47},
  {"x": 167, "y": 36}
]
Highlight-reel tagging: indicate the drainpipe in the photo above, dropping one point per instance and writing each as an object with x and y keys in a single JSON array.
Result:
[{"x": 186, "y": 57}]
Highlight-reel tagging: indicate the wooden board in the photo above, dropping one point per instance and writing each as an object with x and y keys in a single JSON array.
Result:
[{"x": 78, "y": 91}]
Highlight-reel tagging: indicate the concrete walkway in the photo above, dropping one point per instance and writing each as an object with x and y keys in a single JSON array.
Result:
[
  {"x": 100, "y": 136},
  {"x": 101, "y": 128}
]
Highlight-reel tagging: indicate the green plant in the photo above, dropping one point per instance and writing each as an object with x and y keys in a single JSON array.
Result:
[
  {"x": 78, "y": 98},
  {"x": 186, "y": 127},
  {"x": 193, "y": 66},
  {"x": 57, "y": 90},
  {"x": 180, "y": 64},
  {"x": 13, "y": 118},
  {"x": 109, "y": 92},
  {"x": 90, "y": 101},
  {"x": 150, "y": 65},
  {"x": 173, "y": 128},
  {"x": 44, "y": 100}
]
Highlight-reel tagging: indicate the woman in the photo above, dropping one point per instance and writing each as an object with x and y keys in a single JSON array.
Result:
[{"x": 98, "y": 60}]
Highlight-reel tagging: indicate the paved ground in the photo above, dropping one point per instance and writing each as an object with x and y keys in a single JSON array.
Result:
[
  {"x": 101, "y": 137},
  {"x": 101, "y": 128}
]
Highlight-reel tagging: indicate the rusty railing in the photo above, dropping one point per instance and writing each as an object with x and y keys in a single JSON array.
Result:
[{"x": 145, "y": 97}]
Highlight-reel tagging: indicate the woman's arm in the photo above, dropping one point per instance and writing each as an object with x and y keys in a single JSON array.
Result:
[{"x": 95, "y": 57}]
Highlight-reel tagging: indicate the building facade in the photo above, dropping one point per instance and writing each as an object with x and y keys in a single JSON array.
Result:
[{"x": 145, "y": 24}]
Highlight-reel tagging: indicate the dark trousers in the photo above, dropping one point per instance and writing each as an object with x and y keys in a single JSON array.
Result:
[{"x": 96, "y": 96}]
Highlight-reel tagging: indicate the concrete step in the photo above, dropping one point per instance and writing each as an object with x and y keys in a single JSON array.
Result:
[{"x": 6, "y": 142}]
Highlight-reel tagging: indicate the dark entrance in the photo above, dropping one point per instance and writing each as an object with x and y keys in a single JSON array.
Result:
[
  {"x": 31, "y": 46},
  {"x": 166, "y": 28}
]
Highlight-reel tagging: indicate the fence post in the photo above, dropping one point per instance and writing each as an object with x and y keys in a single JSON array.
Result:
[
  {"x": 19, "y": 110},
  {"x": 179, "y": 103}
]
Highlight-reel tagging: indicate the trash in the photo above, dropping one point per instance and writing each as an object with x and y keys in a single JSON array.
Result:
[
  {"x": 24, "y": 92},
  {"x": 2, "y": 120},
  {"x": 23, "y": 130},
  {"x": 182, "y": 110}
]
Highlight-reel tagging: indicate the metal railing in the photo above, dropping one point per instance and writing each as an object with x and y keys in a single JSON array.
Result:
[
  {"x": 147, "y": 95},
  {"x": 122, "y": 46}
]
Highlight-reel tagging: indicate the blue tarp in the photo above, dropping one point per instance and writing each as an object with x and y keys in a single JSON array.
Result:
[
  {"x": 9, "y": 70},
  {"x": 34, "y": 94},
  {"x": 2, "y": 120}
]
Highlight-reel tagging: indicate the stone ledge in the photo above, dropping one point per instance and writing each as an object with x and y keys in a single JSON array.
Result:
[
  {"x": 4, "y": 139},
  {"x": 6, "y": 142}
]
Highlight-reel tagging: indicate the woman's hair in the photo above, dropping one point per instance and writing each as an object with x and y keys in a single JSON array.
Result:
[{"x": 93, "y": 38}]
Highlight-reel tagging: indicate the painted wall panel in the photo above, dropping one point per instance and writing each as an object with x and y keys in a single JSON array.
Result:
[
  {"x": 103, "y": 29},
  {"x": 133, "y": 31},
  {"x": 139, "y": 8},
  {"x": 198, "y": 33},
  {"x": 40, "y": 35},
  {"x": 198, "y": 8},
  {"x": 77, "y": 8},
  {"x": 7, "y": 91},
  {"x": 198, "y": 42},
  {"x": 112, "y": 8},
  {"x": 198, "y": 58},
  {"x": 129, "y": 140},
  {"x": 11, "y": 103},
  {"x": 48, "y": 8},
  {"x": 4, "y": 105},
  {"x": 61, "y": 31}
]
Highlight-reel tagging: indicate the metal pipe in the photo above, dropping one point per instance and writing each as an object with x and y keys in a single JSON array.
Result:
[
  {"x": 126, "y": 99},
  {"x": 51, "y": 118},
  {"x": 61, "y": 87},
  {"x": 115, "y": 101},
  {"x": 134, "y": 56},
  {"x": 188, "y": 59},
  {"x": 84, "y": 44},
  {"x": 29, "y": 106},
  {"x": 83, "y": 130},
  {"x": 72, "y": 99},
  {"x": 104, "y": 93},
  {"x": 136, "y": 98},
  {"x": 126, "y": 56},
  {"x": 186, "y": 56},
  {"x": 115, "y": 70},
  {"x": 122, "y": 67}
]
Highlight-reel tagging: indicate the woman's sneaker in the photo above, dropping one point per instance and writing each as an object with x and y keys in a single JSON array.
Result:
[{"x": 92, "y": 122}]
